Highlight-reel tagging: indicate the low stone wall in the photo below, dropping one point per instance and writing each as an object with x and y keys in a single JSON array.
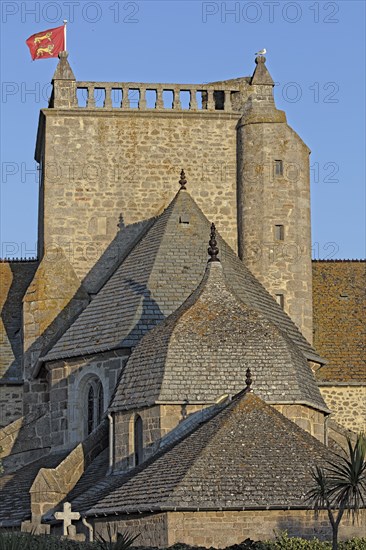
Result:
[
  {"x": 52, "y": 485},
  {"x": 221, "y": 529},
  {"x": 152, "y": 529},
  {"x": 347, "y": 403},
  {"x": 8, "y": 436}
]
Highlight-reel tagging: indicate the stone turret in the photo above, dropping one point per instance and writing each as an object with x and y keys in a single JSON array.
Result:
[
  {"x": 64, "y": 84},
  {"x": 274, "y": 201}
]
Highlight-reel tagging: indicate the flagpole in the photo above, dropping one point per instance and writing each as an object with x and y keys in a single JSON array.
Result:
[{"x": 65, "y": 34}]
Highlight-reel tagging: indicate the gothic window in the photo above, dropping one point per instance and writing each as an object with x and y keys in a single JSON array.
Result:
[
  {"x": 95, "y": 404},
  {"x": 138, "y": 440},
  {"x": 278, "y": 168}
]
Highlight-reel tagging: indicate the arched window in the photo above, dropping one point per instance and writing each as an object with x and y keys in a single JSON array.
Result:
[
  {"x": 95, "y": 404},
  {"x": 139, "y": 441}
]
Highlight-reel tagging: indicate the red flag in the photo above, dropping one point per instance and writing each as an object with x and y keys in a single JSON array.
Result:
[{"x": 47, "y": 44}]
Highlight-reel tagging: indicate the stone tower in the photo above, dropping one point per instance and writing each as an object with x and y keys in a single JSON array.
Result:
[
  {"x": 108, "y": 154},
  {"x": 274, "y": 201}
]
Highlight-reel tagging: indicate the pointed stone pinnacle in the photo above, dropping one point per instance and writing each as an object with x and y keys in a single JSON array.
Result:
[
  {"x": 63, "y": 70},
  {"x": 248, "y": 380},
  {"x": 260, "y": 59},
  {"x": 183, "y": 181},
  {"x": 261, "y": 74},
  {"x": 213, "y": 249}
]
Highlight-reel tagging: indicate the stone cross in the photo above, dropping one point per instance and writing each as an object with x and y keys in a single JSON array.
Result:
[{"x": 67, "y": 516}]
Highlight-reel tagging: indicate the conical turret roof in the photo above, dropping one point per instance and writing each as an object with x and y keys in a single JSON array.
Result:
[{"x": 202, "y": 351}]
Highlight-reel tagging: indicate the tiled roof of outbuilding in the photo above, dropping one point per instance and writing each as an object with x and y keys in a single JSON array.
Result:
[
  {"x": 161, "y": 271},
  {"x": 339, "y": 305},
  {"x": 247, "y": 456},
  {"x": 202, "y": 351}
]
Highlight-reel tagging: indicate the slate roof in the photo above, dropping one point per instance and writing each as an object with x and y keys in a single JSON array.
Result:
[
  {"x": 247, "y": 456},
  {"x": 202, "y": 351},
  {"x": 161, "y": 271},
  {"x": 94, "y": 474},
  {"x": 14, "y": 489},
  {"x": 339, "y": 306}
]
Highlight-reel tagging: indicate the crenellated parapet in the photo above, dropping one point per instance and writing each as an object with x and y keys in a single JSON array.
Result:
[{"x": 70, "y": 93}]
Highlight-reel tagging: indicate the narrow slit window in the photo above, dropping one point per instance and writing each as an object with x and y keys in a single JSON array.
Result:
[
  {"x": 280, "y": 299},
  {"x": 279, "y": 233},
  {"x": 138, "y": 440},
  {"x": 278, "y": 168},
  {"x": 91, "y": 409}
]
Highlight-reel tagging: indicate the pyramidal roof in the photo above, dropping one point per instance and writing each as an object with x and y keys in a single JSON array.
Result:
[
  {"x": 246, "y": 456},
  {"x": 160, "y": 272},
  {"x": 203, "y": 349}
]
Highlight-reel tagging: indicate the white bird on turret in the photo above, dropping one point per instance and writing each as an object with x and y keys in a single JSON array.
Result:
[{"x": 261, "y": 52}]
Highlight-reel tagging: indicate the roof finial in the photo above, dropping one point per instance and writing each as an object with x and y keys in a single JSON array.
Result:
[
  {"x": 248, "y": 380},
  {"x": 182, "y": 180},
  {"x": 121, "y": 223},
  {"x": 213, "y": 249}
]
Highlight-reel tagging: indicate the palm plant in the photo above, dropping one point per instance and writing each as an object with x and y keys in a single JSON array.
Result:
[
  {"x": 340, "y": 486},
  {"x": 124, "y": 540}
]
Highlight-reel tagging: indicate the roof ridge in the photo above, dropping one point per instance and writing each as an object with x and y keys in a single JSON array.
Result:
[{"x": 334, "y": 260}]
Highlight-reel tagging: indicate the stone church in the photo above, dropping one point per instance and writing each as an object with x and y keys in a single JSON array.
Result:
[{"x": 173, "y": 363}]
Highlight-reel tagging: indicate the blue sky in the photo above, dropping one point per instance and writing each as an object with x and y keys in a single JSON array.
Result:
[{"x": 316, "y": 54}]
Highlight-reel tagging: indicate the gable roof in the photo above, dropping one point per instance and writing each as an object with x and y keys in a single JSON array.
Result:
[
  {"x": 203, "y": 349},
  {"x": 161, "y": 271},
  {"x": 246, "y": 456}
]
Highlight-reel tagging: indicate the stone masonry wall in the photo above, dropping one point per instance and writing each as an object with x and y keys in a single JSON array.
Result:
[
  {"x": 14, "y": 280},
  {"x": 25, "y": 439},
  {"x": 11, "y": 403},
  {"x": 100, "y": 164},
  {"x": 308, "y": 419},
  {"x": 52, "y": 300},
  {"x": 152, "y": 529},
  {"x": 69, "y": 389},
  {"x": 339, "y": 319},
  {"x": 348, "y": 405},
  {"x": 158, "y": 421},
  {"x": 221, "y": 529}
]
